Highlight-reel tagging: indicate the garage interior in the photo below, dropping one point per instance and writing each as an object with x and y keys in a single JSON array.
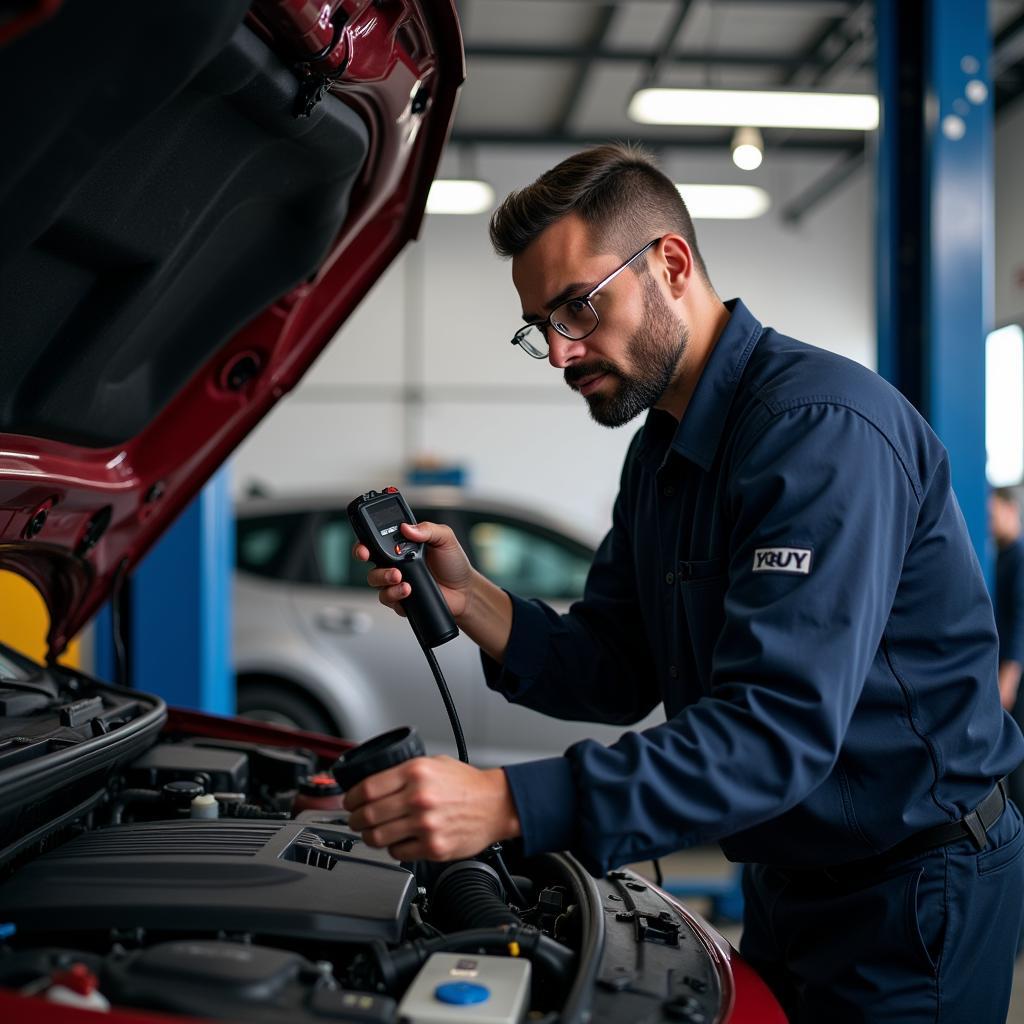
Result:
[{"x": 421, "y": 387}]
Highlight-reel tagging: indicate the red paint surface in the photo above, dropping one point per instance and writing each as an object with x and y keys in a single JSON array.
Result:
[{"x": 205, "y": 422}]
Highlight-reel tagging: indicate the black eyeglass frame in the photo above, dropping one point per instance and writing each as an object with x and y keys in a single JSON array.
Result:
[{"x": 520, "y": 335}]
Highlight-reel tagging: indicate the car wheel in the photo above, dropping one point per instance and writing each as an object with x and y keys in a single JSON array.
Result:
[{"x": 279, "y": 704}]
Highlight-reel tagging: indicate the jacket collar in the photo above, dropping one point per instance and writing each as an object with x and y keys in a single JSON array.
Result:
[{"x": 699, "y": 432}]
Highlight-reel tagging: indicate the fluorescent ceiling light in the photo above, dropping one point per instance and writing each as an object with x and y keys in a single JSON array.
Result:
[
  {"x": 726, "y": 202},
  {"x": 459, "y": 195},
  {"x": 1004, "y": 406},
  {"x": 734, "y": 107}
]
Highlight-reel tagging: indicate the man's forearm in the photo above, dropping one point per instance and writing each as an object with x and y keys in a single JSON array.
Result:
[{"x": 487, "y": 619}]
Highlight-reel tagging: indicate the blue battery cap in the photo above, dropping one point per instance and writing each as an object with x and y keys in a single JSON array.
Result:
[
  {"x": 462, "y": 993},
  {"x": 7, "y": 930}
]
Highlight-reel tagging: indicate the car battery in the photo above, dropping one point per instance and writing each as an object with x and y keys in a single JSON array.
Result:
[{"x": 474, "y": 989}]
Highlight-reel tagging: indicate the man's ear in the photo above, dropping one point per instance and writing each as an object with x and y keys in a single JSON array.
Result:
[{"x": 677, "y": 266}]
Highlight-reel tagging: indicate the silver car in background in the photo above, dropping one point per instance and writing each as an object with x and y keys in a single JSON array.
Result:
[{"x": 314, "y": 648}]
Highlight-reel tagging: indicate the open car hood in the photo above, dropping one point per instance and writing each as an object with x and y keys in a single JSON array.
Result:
[{"x": 194, "y": 197}]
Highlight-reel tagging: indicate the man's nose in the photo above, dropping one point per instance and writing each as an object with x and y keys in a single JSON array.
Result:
[{"x": 562, "y": 350}]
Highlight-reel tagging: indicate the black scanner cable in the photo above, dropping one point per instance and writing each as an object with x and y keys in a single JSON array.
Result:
[
  {"x": 494, "y": 850},
  {"x": 446, "y": 697}
]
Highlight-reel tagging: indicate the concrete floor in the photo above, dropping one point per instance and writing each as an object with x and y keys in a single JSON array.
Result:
[{"x": 708, "y": 862}]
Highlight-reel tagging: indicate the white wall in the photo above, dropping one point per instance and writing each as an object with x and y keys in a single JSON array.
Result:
[{"x": 425, "y": 367}]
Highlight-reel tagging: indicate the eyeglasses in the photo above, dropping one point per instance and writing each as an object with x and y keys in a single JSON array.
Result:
[{"x": 574, "y": 319}]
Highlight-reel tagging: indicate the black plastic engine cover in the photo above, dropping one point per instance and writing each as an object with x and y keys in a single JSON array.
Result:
[
  {"x": 271, "y": 878},
  {"x": 210, "y": 979}
]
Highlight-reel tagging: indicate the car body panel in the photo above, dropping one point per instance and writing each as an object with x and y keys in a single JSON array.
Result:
[{"x": 75, "y": 518}]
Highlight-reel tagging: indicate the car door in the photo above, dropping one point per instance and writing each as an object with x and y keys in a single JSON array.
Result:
[
  {"x": 379, "y": 660},
  {"x": 531, "y": 560}
]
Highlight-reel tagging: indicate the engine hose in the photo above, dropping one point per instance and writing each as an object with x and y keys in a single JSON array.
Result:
[
  {"x": 132, "y": 796},
  {"x": 398, "y": 966},
  {"x": 234, "y": 810},
  {"x": 469, "y": 894}
]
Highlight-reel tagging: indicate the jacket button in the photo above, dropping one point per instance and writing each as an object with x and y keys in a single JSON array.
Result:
[
  {"x": 669, "y": 577},
  {"x": 673, "y": 671},
  {"x": 669, "y": 491}
]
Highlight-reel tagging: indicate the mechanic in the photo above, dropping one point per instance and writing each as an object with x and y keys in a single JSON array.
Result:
[{"x": 789, "y": 573}]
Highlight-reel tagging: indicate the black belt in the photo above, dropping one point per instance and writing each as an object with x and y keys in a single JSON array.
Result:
[{"x": 973, "y": 825}]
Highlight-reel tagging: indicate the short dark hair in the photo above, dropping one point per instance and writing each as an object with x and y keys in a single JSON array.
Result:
[
  {"x": 617, "y": 189},
  {"x": 1011, "y": 495}
]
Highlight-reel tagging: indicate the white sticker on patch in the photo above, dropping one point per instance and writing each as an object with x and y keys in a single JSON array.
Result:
[{"x": 797, "y": 560}]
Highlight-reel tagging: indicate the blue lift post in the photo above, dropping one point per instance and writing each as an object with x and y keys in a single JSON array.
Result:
[
  {"x": 935, "y": 226},
  {"x": 178, "y": 614}
]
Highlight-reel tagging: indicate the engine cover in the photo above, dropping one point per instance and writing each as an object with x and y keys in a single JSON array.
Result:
[{"x": 301, "y": 879}]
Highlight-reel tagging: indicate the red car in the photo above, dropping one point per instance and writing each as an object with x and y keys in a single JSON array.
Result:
[{"x": 194, "y": 196}]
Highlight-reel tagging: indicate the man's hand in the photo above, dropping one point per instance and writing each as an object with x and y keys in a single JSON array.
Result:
[
  {"x": 446, "y": 560},
  {"x": 433, "y": 808},
  {"x": 482, "y": 610}
]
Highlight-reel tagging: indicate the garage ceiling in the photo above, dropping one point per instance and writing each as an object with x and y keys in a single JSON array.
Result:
[{"x": 561, "y": 72}]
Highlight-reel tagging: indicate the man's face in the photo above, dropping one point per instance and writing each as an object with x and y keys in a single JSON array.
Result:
[{"x": 626, "y": 364}]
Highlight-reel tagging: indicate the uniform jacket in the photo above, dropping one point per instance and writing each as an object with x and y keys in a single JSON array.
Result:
[{"x": 789, "y": 573}]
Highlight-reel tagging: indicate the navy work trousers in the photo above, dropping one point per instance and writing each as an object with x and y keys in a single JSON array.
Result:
[{"x": 932, "y": 938}]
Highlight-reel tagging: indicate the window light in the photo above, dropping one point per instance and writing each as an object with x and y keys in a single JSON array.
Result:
[{"x": 1004, "y": 406}]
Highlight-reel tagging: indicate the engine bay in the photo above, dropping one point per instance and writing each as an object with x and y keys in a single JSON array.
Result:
[
  {"x": 171, "y": 861},
  {"x": 218, "y": 878}
]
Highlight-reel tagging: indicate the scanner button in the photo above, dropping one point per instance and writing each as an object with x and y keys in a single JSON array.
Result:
[{"x": 462, "y": 993}]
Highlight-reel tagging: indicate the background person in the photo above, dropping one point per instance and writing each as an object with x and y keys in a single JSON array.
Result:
[{"x": 1005, "y": 525}]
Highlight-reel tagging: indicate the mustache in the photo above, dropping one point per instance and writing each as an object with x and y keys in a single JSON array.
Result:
[{"x": 578, "y": 371}]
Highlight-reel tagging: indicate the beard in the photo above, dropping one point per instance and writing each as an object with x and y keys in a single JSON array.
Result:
[{"x": 653, "y": 352}]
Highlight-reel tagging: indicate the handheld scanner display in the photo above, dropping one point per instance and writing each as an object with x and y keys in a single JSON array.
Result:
[{"x": 375, "y": 518}]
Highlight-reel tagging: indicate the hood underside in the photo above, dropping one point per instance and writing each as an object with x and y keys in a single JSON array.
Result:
[{"x": 194, "y": 197}]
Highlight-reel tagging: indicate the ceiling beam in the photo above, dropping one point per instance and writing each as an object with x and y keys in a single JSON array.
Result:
[
  {"x": 502, "y": 51},
  {"x": 796, "y": 209},
  {"x": 1009, "y": 30},
  {"x": 662, "y": 57},
  {"x": 817, "y": 142},
  {"x": 821, "y": 56},
  {"x": 603, "y": 22},
  {"x": 1010, "y": 86}
]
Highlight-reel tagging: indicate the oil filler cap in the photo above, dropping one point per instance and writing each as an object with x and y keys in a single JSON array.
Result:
[
  {"x": 377, "y": 755},
  {"x": 462, "y": 993}
]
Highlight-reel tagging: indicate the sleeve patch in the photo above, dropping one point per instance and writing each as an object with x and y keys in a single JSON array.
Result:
[{"x": 792, "y": 560}]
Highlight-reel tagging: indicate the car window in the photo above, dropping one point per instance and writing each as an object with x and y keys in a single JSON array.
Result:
[
  {"x": 529, "y": 561},
  {"x": 263, "y": 542},
  {"x": 333, "y": 544}
]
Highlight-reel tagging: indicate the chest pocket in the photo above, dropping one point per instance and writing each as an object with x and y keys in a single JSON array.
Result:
[{"x": 702, "y": 586}]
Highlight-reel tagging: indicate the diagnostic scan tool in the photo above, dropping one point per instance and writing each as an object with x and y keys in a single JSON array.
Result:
[{"x": 375, "y": 518}]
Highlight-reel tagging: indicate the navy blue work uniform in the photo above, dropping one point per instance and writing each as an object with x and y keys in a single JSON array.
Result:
[{"x": 789, "y": 573}]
